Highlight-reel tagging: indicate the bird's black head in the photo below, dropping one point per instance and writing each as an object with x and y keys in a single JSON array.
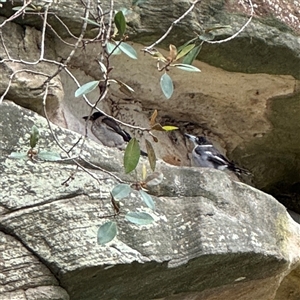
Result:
[
  {"x": 198, "y": 140},
  {"x": 94, "y": 116},
  {"x": 202, "y": 140}
]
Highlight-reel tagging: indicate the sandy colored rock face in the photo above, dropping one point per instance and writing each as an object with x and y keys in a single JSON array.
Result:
[{"x": 213, "y": 237}]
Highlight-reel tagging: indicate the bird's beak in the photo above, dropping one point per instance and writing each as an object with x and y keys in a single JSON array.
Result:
[
  {"x": 190, "y": 137},
  {"x": 85, "y": 118}
]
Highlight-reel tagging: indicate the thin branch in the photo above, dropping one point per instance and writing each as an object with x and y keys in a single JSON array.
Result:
[
  {"x": 11, "y": 77},
  {"x": 17, "y": 13},
  {"x": 147, "y": 49},
  {"x": 80, "y": 38},
  {"x": 44, "y": 31},
  {"x": 103, "y": 170},
  {"x": 66, "y": 27},
  {"x": 78, "y": 165},
  {"x": 239, "y": 31},
  {"x": 58, "y": 36},
  {"x": 4, "y": 46},
  {"x": 110, "y": 20}
]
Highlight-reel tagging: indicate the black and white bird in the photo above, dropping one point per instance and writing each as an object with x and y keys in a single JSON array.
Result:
[
  {"x": 108, "y": 131},
  {"x": 206, "y": 155}
]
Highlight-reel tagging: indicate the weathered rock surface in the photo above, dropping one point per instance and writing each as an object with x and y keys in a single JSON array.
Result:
[
  {"x": 215, "y": 235},
  {"x": 249, "y": 115},
  {"x": 211, "y": 235}
]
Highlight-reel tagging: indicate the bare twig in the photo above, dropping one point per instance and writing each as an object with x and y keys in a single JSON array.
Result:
[
  {"x": 78, "y": 165},
  {"x": 11, "y": 77},
  {"x": 239, "y": 31},
  {"x": 147, "y": 49},
  {"x": 110, "y": 20},
  {"x": 79, "y": 40},
  {"x": 17, "y": 13}
]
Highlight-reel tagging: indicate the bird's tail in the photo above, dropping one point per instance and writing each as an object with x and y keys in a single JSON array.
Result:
[{"x": 238, "y": 170}]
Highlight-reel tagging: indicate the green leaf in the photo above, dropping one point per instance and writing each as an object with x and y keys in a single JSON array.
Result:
[
  {"x": 166, "y": 85},
  {"x": 185, "y": 51},
  {"x": 102, "y": 67},
  {"x": 154, "y": 179},
  {"x": 34, "y": 136},
  {"x": 128, "y": 50},
  {"x": 169, "y": 128},
  {"x": 106, "y": 232},
  {"x": 188, "y": 68},
  {"x": 217, "y": 27},
  {"x": 86, "y": 88},
  {"x": 206, "y": 36},
  {"x": 120, "y": 23},
  {"x": 132, "y": 155},
  {"x": 187, "y": 43},
  {"x": 48, "y": 156},
  {"x": 90, "y": 22},
  {"x": 111, "y": 49},
  {"x": 121, "y": 191},
  {"x": 192, "y": 55},
  {"x": 18, "y": 155},
  {"x": 151, "y": 155},
  {"x": 139, "y": 218},
  {"x": 147, "y": 199}
]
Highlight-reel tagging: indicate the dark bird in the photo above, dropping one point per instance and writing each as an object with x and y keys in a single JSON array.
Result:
[
  {"x": 108, "y": 131},
  {"x": 206, "y": 155}
]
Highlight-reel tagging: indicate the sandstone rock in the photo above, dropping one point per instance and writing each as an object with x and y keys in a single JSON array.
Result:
[{"x": 211, "y": 237}]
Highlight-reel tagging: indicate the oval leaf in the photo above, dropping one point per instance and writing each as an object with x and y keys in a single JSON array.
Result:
[
  {"x": 185, "y": 51},
  {"x": 147, "y": 199},
  {"x": 111, "y": 49},
  {"x": 121, "y": 191},
  {"x": 172, "y": 52},
  {"x": 106, "y": 232},
  {"x": 217, "y": 27},
  {"x": 166, "y": 85},
  {"x": 153, "y": 118},
  {"x": 132, "y": 155},
  {"x": 169, "y": 128},
  {"x": 34, "y": 136},
  {"x": 128, "y": 50},
  {"x": 90, "y": 21},
  {"x": 188, "y": 59},
  {"x": 18, "y": 155},
  {"x": 188, "y": 68},
  {"x": 86, "y": 88},
  {"x": 48, "y": 156},
  {"x": 207, "y": 36},
  {"x": 102, "y": 66},
  {"x": 144, "y": 172},
  {"x": 120, "y": 22},
  {"x": 151, "y": 155},
  {"x": 139, "y": 218}
]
